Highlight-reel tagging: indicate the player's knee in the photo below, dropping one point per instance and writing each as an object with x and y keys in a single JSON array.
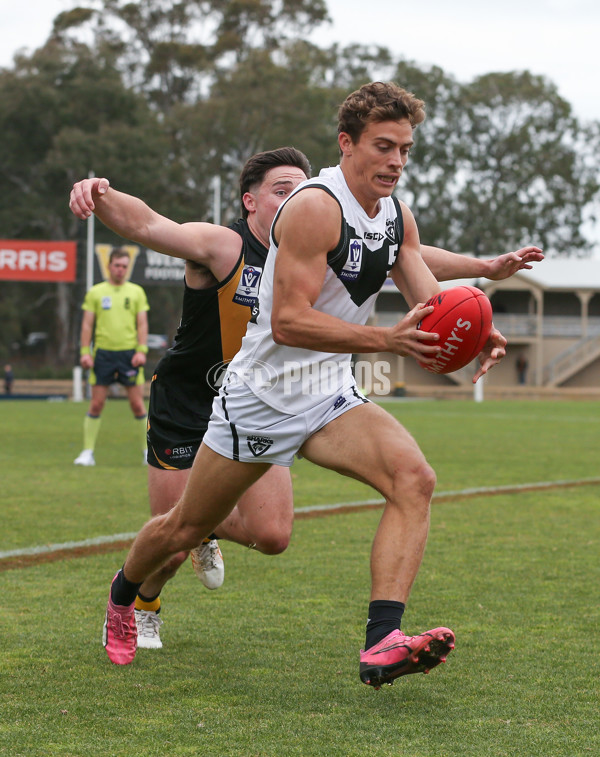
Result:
[
  {"x": 428, "y": 480},
  {"x": 273, "y": 543},
  {"x": 417, "y": 481}
]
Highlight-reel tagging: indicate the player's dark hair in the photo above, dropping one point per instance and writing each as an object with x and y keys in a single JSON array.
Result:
[
  {"x": 375, "y": 102},
  {"x": 118, "y": 252},
  {"x": 257, "y": 166}
]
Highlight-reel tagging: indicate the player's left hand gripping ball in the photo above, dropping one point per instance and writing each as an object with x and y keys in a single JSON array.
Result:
[{"x": 462, "y": 317}]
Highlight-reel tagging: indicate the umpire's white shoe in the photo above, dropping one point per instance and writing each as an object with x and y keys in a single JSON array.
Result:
[
  {"x": 148, "y": 629},
  {"x": 85, "y": 458},
  {"x": 208, "y": 564}
]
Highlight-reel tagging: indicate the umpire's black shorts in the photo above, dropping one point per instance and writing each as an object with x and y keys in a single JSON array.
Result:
[{"x": 114, "y": 366}]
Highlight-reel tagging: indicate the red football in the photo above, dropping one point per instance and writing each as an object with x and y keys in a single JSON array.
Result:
[{"x": 463, "y": 319}]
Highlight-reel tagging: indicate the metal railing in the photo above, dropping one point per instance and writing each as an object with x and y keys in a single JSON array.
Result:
[
  {"x": 513, "y": 325},
  {"x": 571, "y": 360}
]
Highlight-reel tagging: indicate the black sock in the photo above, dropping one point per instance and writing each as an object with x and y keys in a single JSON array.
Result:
[
  {"x": 147, "y": 599},
  {"x": 122, "y": 591},
  {"x": 384, "y": 617}
]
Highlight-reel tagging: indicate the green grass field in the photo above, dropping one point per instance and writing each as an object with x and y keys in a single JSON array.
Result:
[{"x": 268, "y": 664}]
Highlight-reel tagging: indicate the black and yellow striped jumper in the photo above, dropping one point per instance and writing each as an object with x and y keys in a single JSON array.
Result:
[{"x": 213, "y": 322}]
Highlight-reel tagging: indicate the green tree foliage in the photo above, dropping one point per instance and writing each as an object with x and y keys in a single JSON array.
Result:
[
  {"x": 171, "y": 49},
  {"x": 427, "y": 184},
  {"x": 162, "y": 95},
  {"x": 63, "y": 114},
  {"x": 500, "y": 162},
  {"x": 525, "y": 162},
  {"x": 270, "y": 100}
]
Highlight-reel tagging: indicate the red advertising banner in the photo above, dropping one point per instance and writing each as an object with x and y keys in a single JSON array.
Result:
[{"x": 27, "y": 260}]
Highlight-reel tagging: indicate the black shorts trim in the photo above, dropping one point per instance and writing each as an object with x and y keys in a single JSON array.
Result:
[{"x": 234, "y": 434}]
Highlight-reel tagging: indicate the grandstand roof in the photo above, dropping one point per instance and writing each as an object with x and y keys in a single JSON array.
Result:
[
  {"x": 564, "y": 274},
  {"x": 552, "y": 274}
]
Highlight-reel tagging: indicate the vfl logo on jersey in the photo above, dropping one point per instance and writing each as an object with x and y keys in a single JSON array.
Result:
[
  {"x": 390, "y": 229},
  {"x": 247, "y": 289},
  {"x": 258, "y": 445},
  {"x": 106, "y": 303},
  {"x": 352, "y": 266}
]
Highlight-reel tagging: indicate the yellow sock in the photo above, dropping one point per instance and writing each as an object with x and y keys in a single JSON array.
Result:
[
  {"x": 153, "y": 606},
  {"x": 91, "y": 427}
]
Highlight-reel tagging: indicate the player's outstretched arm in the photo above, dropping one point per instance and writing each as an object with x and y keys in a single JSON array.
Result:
[
  {"x": 446, "y": 265},
  {"x": 508, "y": 264},
  {"x": 131, "y": 218}
]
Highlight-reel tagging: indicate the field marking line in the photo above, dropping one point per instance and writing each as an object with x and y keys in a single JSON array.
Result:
[
  {"x": 45, "y": 549},
  {"x": 303, "y": 512},
  {"x": 452, "y": 495}
]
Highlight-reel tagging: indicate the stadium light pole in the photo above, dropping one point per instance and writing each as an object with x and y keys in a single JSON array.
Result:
[{"x": 89, "y": 272}]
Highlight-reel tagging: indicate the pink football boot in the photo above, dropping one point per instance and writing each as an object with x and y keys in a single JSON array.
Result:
[{"x": 398, "y": 655}]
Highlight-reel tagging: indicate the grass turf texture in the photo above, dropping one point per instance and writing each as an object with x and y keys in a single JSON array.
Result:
[{"x": 268, "y": 665}]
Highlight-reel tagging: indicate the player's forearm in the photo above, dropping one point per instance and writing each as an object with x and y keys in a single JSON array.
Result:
[
  {"x": 126, "y": 215},
  {"x": 446, "y": 265},
  {"x": 314, "y": 330}
]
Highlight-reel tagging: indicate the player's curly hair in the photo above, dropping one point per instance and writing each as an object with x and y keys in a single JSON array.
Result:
[
  {"x": 257, "y": 166},
  {"x": 375, "y": 102}
]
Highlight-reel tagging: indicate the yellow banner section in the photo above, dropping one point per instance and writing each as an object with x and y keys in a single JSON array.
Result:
[{"x": 103, "y": 253}]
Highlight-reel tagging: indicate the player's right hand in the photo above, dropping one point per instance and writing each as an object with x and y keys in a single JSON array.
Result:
[
  {"x": 407, "y": 340},
  {"x": 84, "y": 194}
]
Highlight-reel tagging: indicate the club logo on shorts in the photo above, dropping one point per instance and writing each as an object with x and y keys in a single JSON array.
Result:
[
  {"x": 247, "y": 289},
  {"x": 340, "y": 402},
  {"x": 352, "y": 266},
  {"x": 258, "y": 445}
]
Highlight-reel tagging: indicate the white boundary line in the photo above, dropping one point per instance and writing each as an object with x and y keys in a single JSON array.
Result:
[
  {"x": 508, "y": 489},
  {"x": 46, "y": 549},
  {"x": 482, "y": 490}
]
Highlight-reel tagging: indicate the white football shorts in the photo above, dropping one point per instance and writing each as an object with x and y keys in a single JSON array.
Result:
[{"x": 243, "y": 427}]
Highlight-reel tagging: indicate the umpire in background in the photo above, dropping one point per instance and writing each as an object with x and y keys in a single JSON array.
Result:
[{"x": 115, "y": 313}]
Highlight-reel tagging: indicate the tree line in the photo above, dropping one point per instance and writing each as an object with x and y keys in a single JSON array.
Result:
[{"x": 162, "y": 95}]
